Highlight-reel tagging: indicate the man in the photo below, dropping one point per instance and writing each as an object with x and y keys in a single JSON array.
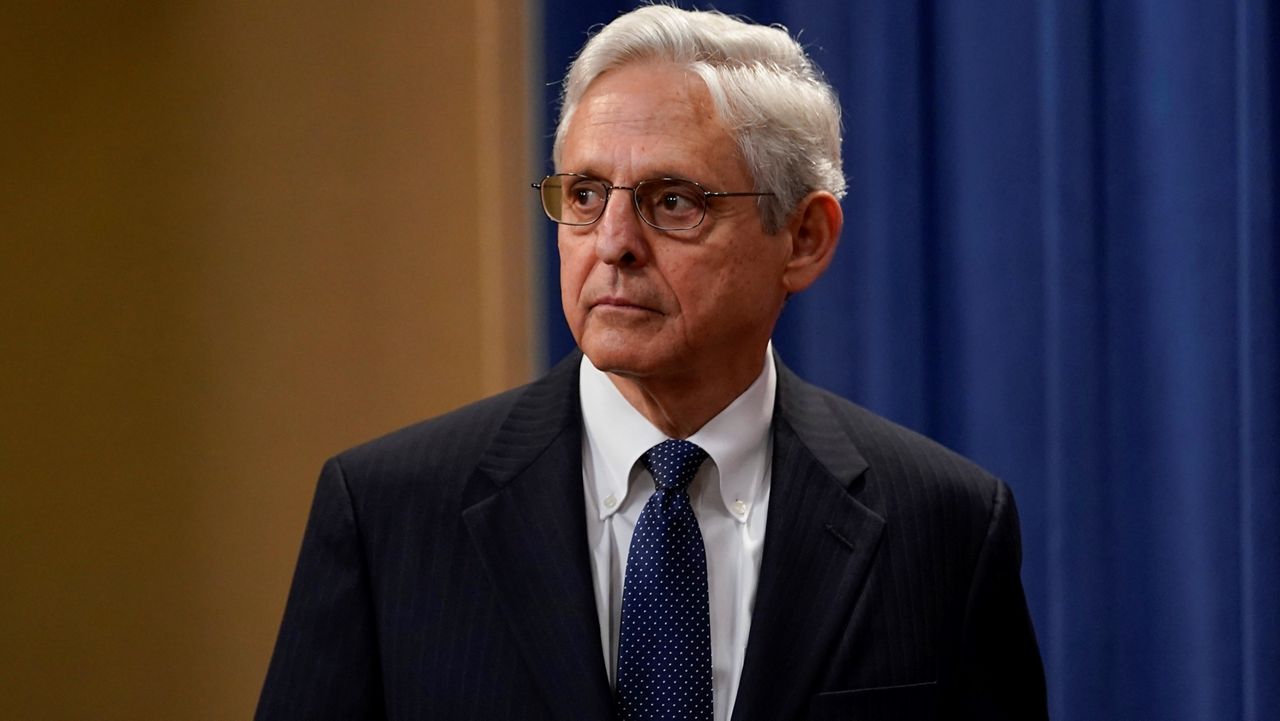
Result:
[{"x": 671, "y": 524}]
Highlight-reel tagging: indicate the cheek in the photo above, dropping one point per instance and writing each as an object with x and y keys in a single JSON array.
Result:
[
  {"x": 741, "y": 292},
  {"x": 575, "y": 268},
  {"x": 700, "y": 290},
  {"x": 572, "y": 267}
]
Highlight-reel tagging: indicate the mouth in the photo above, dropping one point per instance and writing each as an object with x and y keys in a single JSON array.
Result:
[{"x": 616, "y": 303}]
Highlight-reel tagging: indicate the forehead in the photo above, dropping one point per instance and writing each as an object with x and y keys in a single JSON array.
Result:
[{"x": 648, "y": 119}]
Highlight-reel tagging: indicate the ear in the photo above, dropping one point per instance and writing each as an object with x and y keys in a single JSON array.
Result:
[{"x": 815, "y": 231}]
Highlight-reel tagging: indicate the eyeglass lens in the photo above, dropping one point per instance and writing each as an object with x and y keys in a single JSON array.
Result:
[{"x": 666, "y": 204}]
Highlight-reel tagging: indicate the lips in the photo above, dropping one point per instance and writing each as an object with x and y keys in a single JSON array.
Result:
[{"x": 618, "y": 303}]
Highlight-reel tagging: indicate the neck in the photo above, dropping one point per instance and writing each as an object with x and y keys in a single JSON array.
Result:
[{"x": 680, "y": 406}]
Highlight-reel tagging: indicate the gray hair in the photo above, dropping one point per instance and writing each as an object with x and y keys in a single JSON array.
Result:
[{"x": 771, "y": 96}]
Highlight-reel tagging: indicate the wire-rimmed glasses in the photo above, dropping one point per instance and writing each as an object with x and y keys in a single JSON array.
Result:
[{"x": 663, "y": 203}]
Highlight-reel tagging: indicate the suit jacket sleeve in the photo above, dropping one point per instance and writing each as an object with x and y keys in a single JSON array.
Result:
[
  {"x": 325, "y": 664},
  {"x": 1002, "y": 675}
]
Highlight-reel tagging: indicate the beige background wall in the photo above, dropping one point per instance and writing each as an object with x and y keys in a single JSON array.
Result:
[{"x": 235, "y": 238}]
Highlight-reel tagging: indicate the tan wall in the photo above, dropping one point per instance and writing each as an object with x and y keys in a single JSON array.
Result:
[{"x": 235, "y": 238}]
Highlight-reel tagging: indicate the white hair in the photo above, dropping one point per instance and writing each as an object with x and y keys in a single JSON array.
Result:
[{"x": 772, "y": 98}]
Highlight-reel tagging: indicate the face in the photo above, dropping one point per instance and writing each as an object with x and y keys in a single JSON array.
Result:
[{"x": 648, "y": 304}]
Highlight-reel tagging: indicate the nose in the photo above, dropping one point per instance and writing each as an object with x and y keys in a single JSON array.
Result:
[{"x": 620, "y": 234}]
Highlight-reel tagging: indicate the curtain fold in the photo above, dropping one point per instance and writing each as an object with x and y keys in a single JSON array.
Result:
[
  {"x": 1060, "y": 260},
  {"x": 1258, "y": 278}
]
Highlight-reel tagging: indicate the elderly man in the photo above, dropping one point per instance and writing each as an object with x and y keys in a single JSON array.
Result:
[{"x": 670, "y": 524}]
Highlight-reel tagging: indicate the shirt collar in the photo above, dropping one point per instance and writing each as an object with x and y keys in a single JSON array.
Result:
[{"x": 736, "y": 439}]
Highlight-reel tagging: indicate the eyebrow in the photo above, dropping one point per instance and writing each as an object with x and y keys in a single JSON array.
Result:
[{"x": 647, "y": 176}]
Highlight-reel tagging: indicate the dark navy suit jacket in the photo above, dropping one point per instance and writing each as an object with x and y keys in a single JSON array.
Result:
[{"x": 444, "y": 574}]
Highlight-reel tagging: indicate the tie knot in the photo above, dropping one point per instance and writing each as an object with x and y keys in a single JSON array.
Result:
[{"x": 673, "y": 463}]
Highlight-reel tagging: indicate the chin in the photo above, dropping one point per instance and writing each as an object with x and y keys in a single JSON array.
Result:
[
  {"x": 620, "y": 358},
  {"x": 613, "y": 362}
]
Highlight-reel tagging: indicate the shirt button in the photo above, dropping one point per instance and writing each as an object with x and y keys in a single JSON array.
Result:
[
  {"x": 739, "y": 508},
  {"x": 610, "y": 503}
]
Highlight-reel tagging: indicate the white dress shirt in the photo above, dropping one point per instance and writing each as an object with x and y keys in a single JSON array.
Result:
[{"x": 730, "y": 497}]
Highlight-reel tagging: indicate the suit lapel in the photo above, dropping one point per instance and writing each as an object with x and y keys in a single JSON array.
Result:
[
  {"x": 530, "y": 533},
  {"x": 819, "y": 545}
]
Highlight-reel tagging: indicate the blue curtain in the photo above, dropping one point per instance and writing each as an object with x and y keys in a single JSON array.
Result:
[{"x": 1060, "y": 259}]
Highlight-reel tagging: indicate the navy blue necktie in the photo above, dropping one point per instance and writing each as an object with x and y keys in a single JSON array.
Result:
[{"x": 664, "y": 644}]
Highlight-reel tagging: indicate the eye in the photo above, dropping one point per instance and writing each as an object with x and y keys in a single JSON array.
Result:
[
  {"x": 585, "y": 194},
  {"x": 675, "y": 202},
  {"x": 671, "y": 204}
]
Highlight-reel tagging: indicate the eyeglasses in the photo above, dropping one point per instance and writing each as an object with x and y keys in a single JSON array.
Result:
[{"x": 664, "y": 203}]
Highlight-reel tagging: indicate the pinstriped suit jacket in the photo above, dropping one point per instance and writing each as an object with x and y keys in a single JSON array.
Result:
[{"x": 444, "y": 574}]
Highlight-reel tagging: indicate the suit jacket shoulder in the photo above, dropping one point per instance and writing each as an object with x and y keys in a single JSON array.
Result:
[
  {"x": 496, "y": 435},
  {"x": 894, "y": 453},
  {"x": 443, "y": 573},
  {"x": 930, "y": 617}
]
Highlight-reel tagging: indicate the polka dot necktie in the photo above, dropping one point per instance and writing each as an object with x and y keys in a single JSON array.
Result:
[{"x": 664, "y": 646}]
